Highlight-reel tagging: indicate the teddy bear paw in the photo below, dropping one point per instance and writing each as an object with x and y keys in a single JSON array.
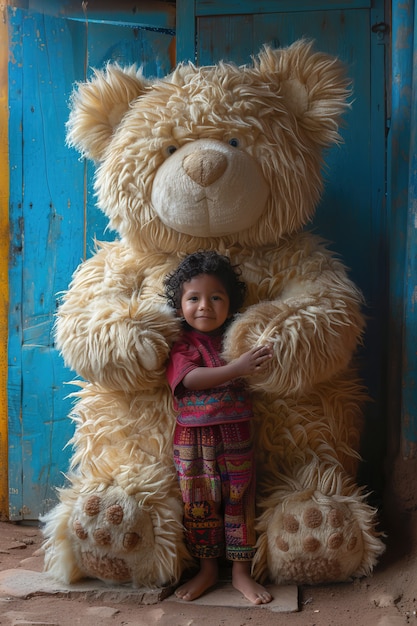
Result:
[
  {"x": 110, "y": 535},
  {"x": 315, "y": 541}
]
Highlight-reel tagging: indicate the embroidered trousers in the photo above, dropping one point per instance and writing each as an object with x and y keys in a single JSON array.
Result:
[{"x": 216, "y": 472}]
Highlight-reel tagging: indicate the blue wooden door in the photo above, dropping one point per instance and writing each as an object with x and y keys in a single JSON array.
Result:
[
  {"x": 352, "y": 214},
  {"x": 53, "y": 221}
]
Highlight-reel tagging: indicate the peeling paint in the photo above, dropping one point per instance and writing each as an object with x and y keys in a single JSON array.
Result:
[
  {"x": 414, "y": 296},
  {"x": 4, "y": 256}
]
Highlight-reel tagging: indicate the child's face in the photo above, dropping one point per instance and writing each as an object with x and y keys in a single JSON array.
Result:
[{"x": 204, "y": 303}]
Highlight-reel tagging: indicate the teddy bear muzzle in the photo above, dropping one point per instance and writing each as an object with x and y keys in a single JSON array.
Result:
[{"x": 209, "y": 189}]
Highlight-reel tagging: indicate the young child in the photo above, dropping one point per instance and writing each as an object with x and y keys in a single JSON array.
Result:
[{"x": 213, "y": 449}]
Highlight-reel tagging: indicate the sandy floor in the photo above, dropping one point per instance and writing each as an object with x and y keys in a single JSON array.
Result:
[{"x": 388, "y": 598}]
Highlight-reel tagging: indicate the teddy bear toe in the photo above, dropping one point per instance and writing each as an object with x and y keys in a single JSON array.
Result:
[{"x": 106, "y": 567}]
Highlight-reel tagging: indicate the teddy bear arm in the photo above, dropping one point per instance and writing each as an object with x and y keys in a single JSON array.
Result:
[
  {"x": 111, "y": 335},
  {"x": 114, "y": 349},
  {"x": 313, "y": 336}
]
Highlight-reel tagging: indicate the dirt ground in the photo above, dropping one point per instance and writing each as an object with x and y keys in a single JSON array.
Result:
[{"x": 387, "y": 598}]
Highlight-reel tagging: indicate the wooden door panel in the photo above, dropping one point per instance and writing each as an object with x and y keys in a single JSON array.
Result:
[
  {"x": 47, "y": 244},
  {"x": 53, "y": 221}
]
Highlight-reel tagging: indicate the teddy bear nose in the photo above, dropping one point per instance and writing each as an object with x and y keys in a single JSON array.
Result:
[{"x": 205, "y": 167}]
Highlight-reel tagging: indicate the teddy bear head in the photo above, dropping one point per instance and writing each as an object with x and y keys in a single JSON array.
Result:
[{"x": 213, "y": 156}]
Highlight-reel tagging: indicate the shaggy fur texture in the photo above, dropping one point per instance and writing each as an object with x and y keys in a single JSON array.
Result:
[{"x": 226, "y": 158}]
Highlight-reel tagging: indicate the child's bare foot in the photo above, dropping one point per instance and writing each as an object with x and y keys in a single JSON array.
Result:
[
  {"x": 243, "y": 582},
  {"x": 206, "y": 578}
]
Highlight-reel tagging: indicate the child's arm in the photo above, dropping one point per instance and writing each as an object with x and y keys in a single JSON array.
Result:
[{"x": 247, "y": 363}]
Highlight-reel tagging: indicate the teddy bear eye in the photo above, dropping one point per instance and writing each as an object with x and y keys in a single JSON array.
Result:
[
  {"x": 234, "y": 142},
  {"x": 170, "y": 150}
]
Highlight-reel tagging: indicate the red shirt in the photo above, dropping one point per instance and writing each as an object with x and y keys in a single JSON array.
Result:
[{"x": 229, "y": 402}]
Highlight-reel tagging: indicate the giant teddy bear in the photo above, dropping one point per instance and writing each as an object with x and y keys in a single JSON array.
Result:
[{"x": 229, "y": 158}]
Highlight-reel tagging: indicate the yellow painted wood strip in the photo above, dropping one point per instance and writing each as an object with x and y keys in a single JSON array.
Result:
[{"x": 4, "y": 254}]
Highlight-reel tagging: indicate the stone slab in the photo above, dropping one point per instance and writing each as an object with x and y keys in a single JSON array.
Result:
[
  {"x": 284, "y": 598},
  {"x": 21, "y": 583}
]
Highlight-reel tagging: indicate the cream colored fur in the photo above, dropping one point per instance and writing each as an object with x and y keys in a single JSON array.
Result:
[{"x": 226, "y": 158}]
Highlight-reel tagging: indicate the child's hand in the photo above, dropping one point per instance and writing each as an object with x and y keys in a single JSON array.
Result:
[
  {"x": 250, "y": 362},
  {"x": 253, "y": 361}
]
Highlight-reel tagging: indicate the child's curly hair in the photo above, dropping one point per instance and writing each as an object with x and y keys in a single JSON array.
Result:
[{"x": 206, "y": 262}]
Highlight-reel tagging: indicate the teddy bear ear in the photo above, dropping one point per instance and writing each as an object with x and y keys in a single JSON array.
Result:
[
  {"x": 313, "y": 86},
  {"x": 98, "y": 105}
]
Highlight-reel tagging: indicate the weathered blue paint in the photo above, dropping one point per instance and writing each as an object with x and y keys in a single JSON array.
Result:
[
  {"x": 41, "y": 201},
  {"x": 156, "y": 14},
  {"x": 53, "y": 220},
  {"x": 185, "y": 37},
  {"x": 404, "y": 197},
  {"x": 246, "y": 7}
]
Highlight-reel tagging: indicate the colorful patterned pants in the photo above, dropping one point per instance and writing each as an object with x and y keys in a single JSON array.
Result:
[{"x": 216, "y": 471}]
